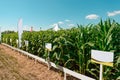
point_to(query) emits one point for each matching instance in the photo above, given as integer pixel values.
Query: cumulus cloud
(67, 20)
(92, 16)
(114, 13)
(60, 22)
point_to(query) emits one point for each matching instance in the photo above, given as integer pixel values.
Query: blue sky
(46, 13)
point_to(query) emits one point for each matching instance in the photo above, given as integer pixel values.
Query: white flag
(20, 31)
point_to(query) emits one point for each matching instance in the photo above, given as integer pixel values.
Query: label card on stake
(102, 57)
(26, 42)
(48, 46)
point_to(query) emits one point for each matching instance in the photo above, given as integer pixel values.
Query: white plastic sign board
(26, 42)
(102, 57)
(48, 46)
(17, 41)
(10, 40)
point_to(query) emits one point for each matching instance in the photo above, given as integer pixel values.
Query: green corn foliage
(71, 48)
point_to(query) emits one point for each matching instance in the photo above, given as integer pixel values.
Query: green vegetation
(72, 47)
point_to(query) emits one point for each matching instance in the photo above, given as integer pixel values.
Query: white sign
(102, 57)
(17, 41)
(48, 46)
(20, 31)
(10, 40)
(26, 43)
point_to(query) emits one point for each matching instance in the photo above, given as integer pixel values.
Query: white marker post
(10, 41)
(20, 31)
(102, 58)
(26, 44)
(48, 46)
(17, 43)
(101, 71)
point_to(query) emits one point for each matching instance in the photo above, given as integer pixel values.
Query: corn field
(71, 48)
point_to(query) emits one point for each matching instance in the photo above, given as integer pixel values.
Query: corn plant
(72, 47)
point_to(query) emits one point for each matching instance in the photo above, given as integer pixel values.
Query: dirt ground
(14, 66)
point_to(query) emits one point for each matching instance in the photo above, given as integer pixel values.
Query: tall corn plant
(104, 41)
(104, 35)
(61, 48)
(35, 42)
(114, 73)
(72, 47)
(83, 46)
(8, 36)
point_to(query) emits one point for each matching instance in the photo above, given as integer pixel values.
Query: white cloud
(60, 22)
(92, 16)
(113, 13)
(71, 25)
(67, 20)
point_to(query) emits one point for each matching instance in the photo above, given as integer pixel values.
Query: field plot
(14, 66)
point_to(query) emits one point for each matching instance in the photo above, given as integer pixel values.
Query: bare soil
(14, 66)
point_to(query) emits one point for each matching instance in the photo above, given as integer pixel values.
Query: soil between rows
(14, 66)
